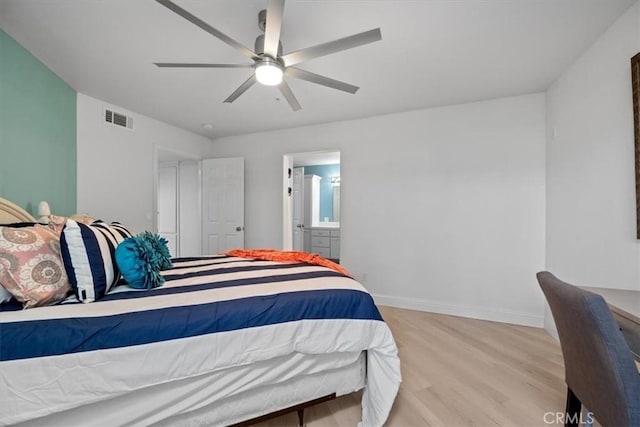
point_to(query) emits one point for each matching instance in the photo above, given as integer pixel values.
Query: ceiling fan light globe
(269, 74)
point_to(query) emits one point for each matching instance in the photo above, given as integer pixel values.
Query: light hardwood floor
(460, 372)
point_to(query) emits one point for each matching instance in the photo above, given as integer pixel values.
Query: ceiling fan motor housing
(259, 46)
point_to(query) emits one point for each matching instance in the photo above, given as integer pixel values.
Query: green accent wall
(37, 132)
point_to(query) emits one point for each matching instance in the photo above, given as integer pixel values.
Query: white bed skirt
(224, 397)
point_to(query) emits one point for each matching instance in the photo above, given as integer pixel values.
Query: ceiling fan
(269, 64)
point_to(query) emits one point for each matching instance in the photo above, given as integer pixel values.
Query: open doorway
(311, 207)
(178, 201)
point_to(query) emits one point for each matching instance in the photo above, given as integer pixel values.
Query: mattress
(224, 397)
(212, 314)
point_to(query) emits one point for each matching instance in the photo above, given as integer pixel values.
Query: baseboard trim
(473, 312)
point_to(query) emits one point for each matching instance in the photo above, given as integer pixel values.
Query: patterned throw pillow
(88, 252)
(30, 265)
(56, 222)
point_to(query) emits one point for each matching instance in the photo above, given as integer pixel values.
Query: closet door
(168, 205)
(189, 211)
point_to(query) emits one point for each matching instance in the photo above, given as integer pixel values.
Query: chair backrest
(599, 367)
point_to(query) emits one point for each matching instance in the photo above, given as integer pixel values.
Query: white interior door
(222, 205)
(189, 209)
(168, 205)
(297, 214)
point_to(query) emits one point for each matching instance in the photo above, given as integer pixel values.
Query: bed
(224, 340)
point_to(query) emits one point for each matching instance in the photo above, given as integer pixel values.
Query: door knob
(239, 228)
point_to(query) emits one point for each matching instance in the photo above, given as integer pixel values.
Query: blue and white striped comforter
(212, 313)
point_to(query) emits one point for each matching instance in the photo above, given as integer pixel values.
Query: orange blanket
(284, 256)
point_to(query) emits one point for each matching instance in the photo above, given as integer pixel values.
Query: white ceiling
(433, 53)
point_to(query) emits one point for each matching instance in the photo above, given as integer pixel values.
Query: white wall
(116, 166)
(591, 213)
(591, 219)
(442, 209)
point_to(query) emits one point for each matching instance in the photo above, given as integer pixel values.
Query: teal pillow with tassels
(141, 258)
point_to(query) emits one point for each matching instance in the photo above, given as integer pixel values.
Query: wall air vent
(118, 119)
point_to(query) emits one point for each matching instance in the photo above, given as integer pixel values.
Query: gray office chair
(599, 368)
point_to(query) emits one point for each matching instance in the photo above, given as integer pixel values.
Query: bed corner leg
(301, 417)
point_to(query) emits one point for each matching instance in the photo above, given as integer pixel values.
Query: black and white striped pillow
(88, 253)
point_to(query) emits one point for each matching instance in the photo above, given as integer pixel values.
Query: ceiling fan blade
(208, 28)
(321, 80)
(331, 47)
(242, 89)
(288, 94)
(191, 65)
(275, 10)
